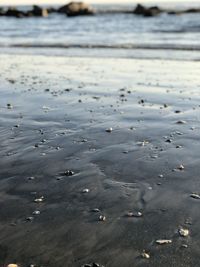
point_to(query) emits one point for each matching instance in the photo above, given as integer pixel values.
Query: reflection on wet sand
(96, 167)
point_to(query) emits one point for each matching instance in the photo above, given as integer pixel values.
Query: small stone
(181, 167)
(168, 141)
(181, 122)
(31, 178)
(36, 212)
(163, 241)
(39, 200)
(145, 255)
(9, 106)
(86, 190)
(184, 246)
(134, 214)
(68, 173)
(195, 196)
(183, 232)
(12, 265)
(109, 130)
(102, 218)
(95, 210)
(30, 219)
(143, 143)
(94, 264)
(160, 175)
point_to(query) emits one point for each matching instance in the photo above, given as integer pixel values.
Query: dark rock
(76, 9)
(38, 12)
(13, 12)
(180, 12)
(1, 11)
(193, 10)
(51, 10)
(147, 12)
(139, 10)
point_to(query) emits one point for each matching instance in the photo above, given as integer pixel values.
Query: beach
(99, 161)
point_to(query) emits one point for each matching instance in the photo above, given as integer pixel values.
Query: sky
(16, 2)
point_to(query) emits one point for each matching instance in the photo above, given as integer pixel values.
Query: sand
(54, 113)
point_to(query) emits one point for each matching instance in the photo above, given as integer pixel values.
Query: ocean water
(110, 35)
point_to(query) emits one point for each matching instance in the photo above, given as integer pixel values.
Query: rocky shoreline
(82, 9)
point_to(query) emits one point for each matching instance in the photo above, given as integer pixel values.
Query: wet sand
(54, 113)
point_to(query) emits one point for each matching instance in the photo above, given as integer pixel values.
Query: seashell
(183, 232)
(163, 241)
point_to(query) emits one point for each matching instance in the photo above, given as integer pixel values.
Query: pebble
(102, 218)
(181, 167)
(145, 255)
(86, 190)
(143, 143)
(94, 264)
(195, 196)
(30, 219)
(163, 241)
(181, 122)
(168, 141)
(39, 200)
(183, 232)
(95, 210)
(9, 106)
(12, 265)
(68, 173)
(109, 130)
(134, 214)
(31, 178)
(36, 212)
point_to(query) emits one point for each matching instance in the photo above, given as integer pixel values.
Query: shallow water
(128, 35)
